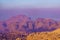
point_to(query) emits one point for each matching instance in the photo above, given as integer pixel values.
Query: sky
(13, 8)
(30, 3)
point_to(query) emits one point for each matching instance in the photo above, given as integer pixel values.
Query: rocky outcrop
(53, 35)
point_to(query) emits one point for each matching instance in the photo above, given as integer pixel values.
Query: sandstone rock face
(53, 35)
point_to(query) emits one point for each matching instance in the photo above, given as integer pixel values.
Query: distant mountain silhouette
(25, 24)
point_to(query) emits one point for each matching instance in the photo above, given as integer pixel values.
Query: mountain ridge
(25, 24)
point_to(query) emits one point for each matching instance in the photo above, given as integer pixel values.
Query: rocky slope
(22, 27)
(22, 23)
(53, 35)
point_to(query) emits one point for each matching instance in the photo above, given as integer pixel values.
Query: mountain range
(22, 23)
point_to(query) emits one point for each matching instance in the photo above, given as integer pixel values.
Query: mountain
(22, 23)
(46, 24)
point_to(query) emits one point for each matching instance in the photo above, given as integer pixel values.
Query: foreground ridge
(53, 35)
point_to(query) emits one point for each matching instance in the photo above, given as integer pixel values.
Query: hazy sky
(49, 13)
(30, 3)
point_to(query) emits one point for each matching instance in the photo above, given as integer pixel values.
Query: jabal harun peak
(22, 23)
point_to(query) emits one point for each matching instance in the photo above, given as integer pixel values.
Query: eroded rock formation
(15, 27)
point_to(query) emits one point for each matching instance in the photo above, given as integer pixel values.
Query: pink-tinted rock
(22, 23)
